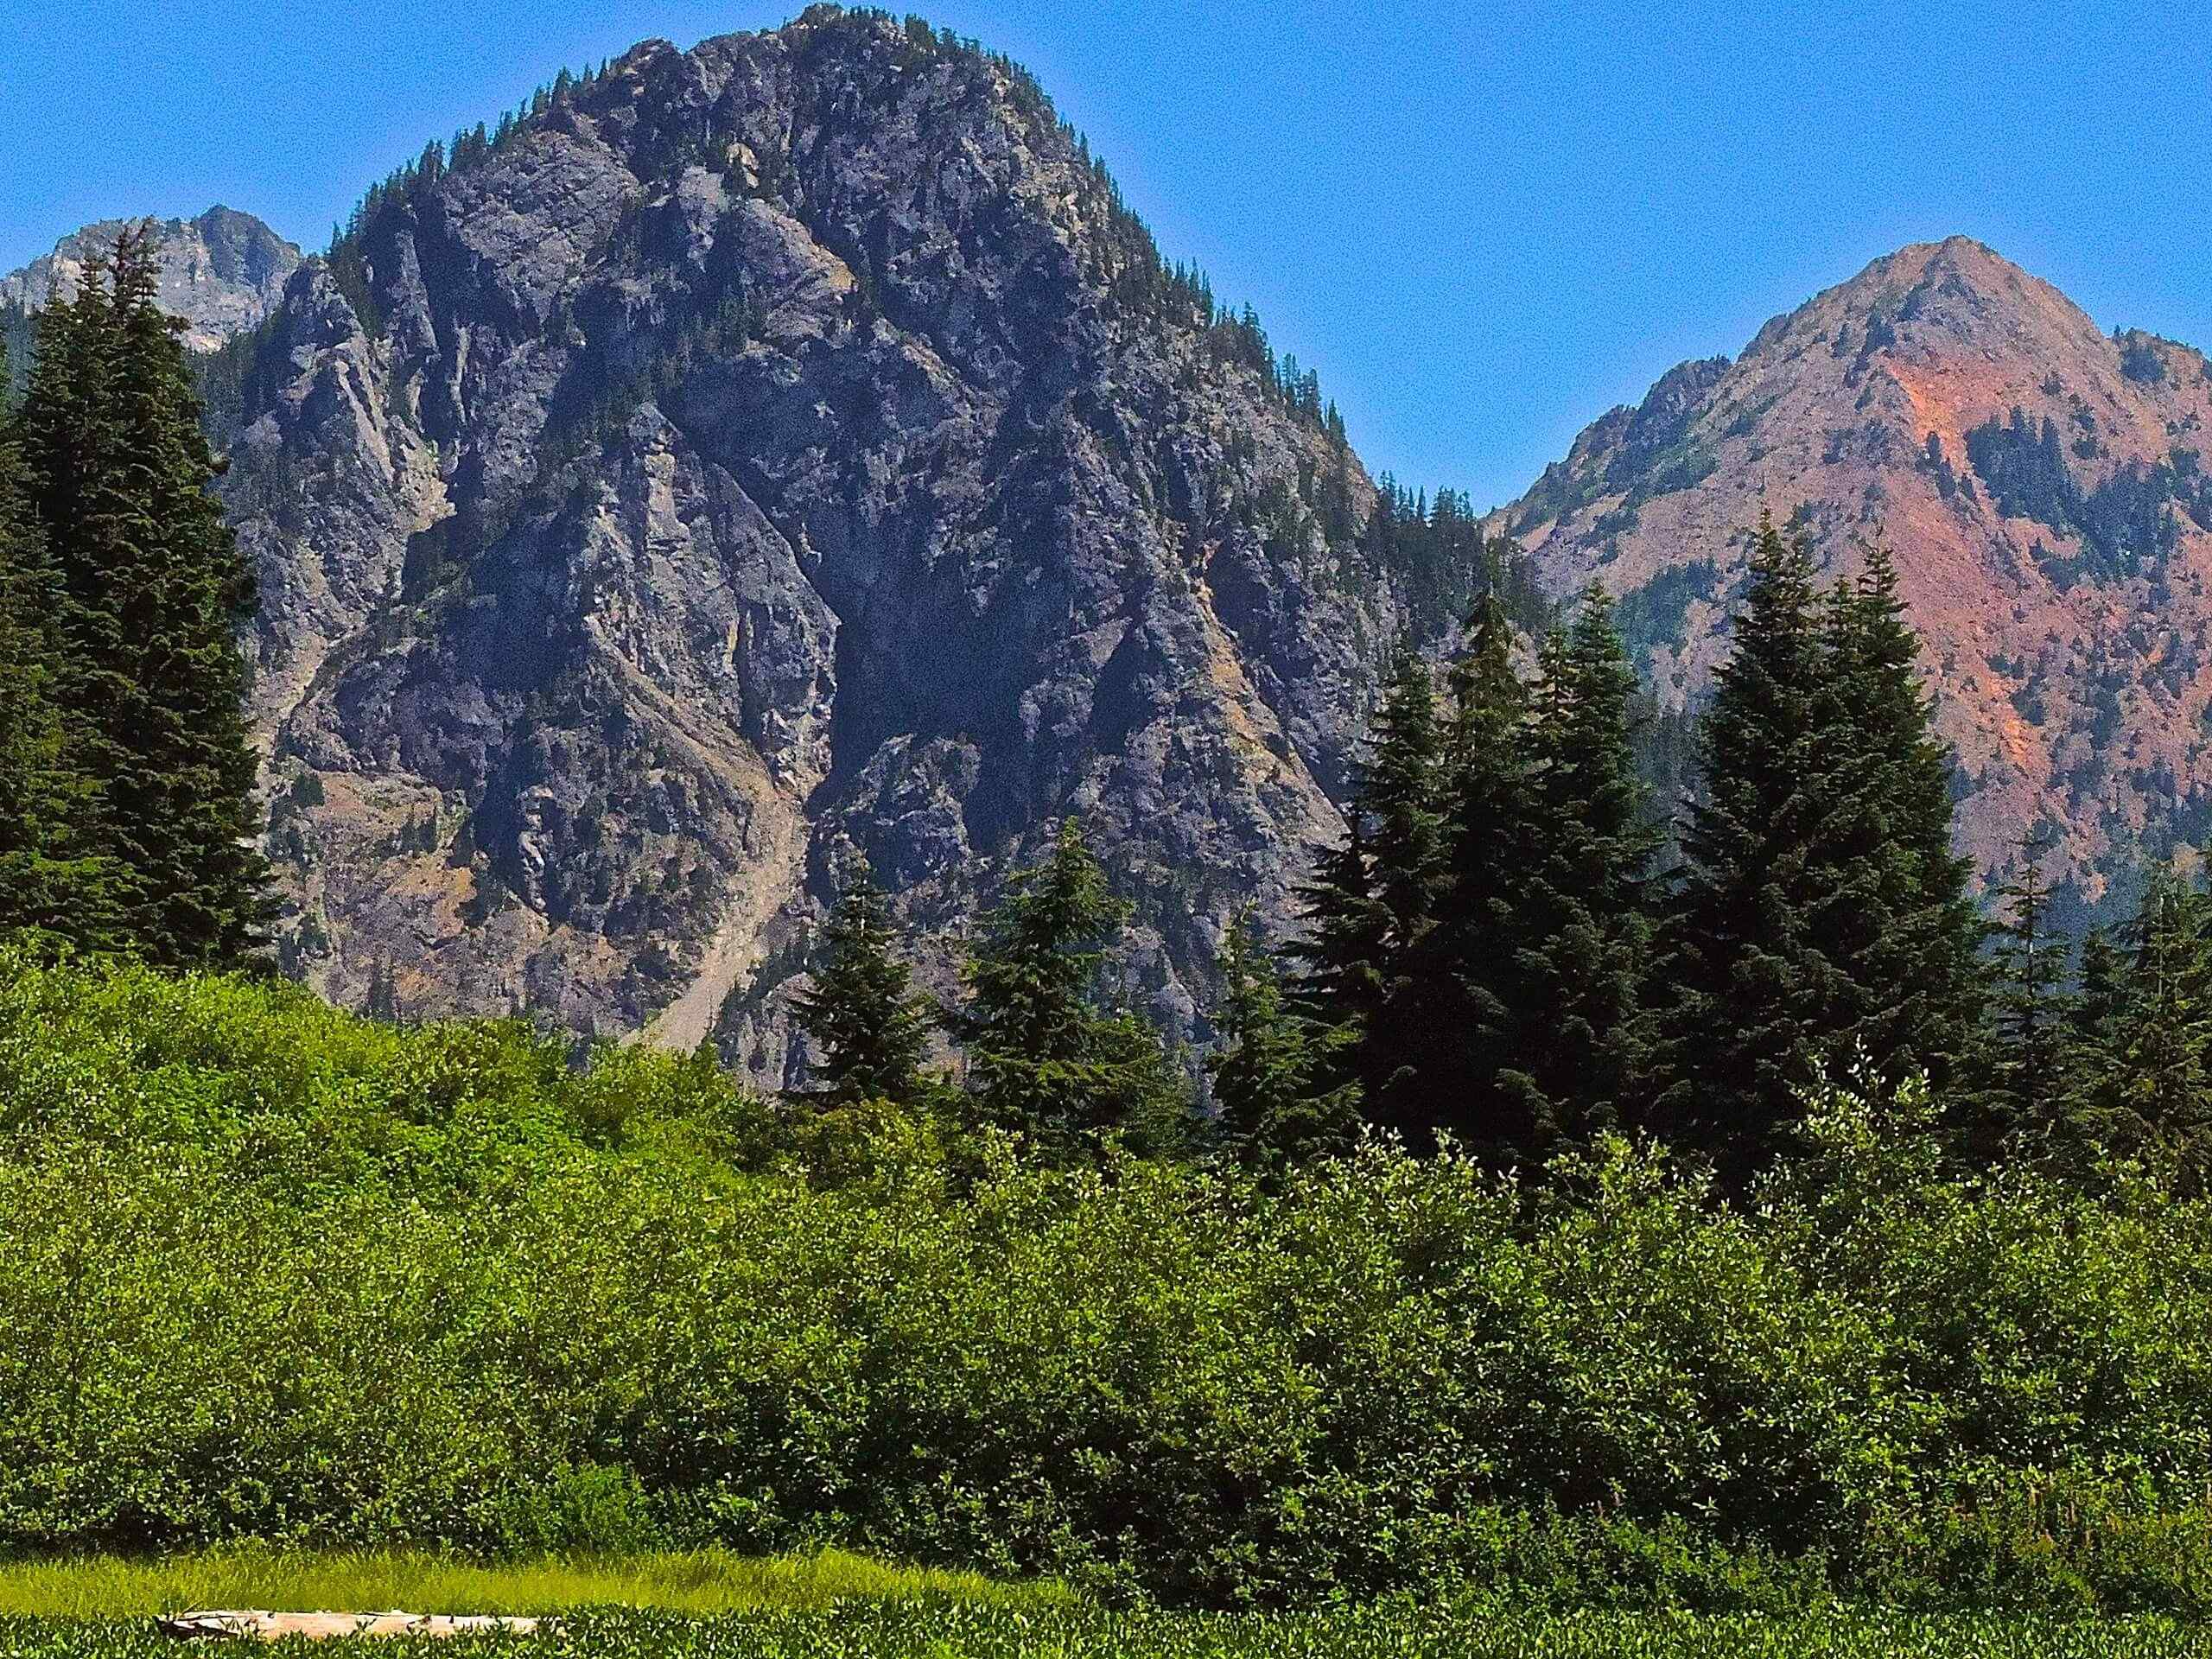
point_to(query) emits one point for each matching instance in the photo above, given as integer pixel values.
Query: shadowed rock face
(2046, 488)
(777, 445)
(220, 272)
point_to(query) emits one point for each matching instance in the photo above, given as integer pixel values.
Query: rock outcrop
(783, 446)
(2046, 489)
(221, 272)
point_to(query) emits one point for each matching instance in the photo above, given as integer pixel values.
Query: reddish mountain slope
(2047, 489)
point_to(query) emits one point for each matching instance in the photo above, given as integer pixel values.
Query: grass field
(709, 1604)
(951, 1630)
(694, 1583)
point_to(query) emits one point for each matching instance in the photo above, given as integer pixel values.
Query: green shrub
(270, 1271)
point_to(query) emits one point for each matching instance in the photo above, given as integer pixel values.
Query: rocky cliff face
(779, 446)
(2044, 487)
(221, 272)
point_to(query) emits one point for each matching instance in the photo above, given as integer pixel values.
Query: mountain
(220, 272)
(2043, 485)
(755, 452)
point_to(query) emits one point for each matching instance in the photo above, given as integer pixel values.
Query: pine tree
(1822, 917)
(1275, 1103)
(1400, 799)
(870, 1029)
(54, 892)
(2153, 1097)
(1371, 901)
(1477, 987)
(2028, 1078)
(1583, 904)
(151, 590)
(1750, 1005)
(1043, 1056)
(1911, 933)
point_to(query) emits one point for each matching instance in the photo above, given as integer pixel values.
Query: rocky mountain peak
(2042, 484)
(220, 272)
(783, 445)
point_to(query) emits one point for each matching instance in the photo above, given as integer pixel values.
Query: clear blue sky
(1484, 223)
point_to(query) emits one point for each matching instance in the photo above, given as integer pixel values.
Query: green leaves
(268, 1270)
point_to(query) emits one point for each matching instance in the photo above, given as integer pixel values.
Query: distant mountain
(220, 272)
(787, 445)
(2047, 493)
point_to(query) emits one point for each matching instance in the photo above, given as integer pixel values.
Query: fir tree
(1749, 1013)
(1043, 1056)
(1583, 908)
(870, 1029)
(1372, 900)
(1823, 917)
(54, 891)
(2029, 1077)
(151, 589)
(1401, 800)
(1902, 925)
(1474, 971)
(2152, 1098)
(1275, 1102)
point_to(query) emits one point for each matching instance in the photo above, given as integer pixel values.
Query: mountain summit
(756, 453)
(2043, 485)
(220, 272)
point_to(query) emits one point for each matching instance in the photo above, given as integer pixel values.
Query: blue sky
(1483, 222)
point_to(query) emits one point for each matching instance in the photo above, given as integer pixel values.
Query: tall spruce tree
(2151, 1095)
(870, 1028)
(1903, 923)
(1401, 800)
(54, 891)
(151, 589)
(1373, 900)
(2026, 1078)
(1822, 917)
(1277, 1098)
(1046, 1056)
(1582, 904)
(1751, 1006)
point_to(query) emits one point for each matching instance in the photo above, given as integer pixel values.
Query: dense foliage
(267, 1268)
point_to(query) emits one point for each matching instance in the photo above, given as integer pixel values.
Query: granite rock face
(221, 272)
(2045, 490)
(781, 447)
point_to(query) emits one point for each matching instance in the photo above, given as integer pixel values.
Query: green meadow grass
(698, 1583)
(885, 1629)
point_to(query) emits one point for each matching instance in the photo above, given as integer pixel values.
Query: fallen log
(268, 1626)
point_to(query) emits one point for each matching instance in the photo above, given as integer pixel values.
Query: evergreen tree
(1402, 801)
(1752, 1001)
(2152, 1098)
(1373, 899)
(1901, 921)
(54, 891)
(1276, 1102)
(2090, 1023)
(2028, 1076)
(1582, 906)
(1479, 987)
(870, 1029)
(1043, 1056)
(1823, 917)
(151, 590)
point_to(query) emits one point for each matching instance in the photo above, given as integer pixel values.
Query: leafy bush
(268, 1271)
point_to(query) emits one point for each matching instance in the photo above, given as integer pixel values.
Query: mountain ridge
(221, 271)
(783, 446)
(2041, 483)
